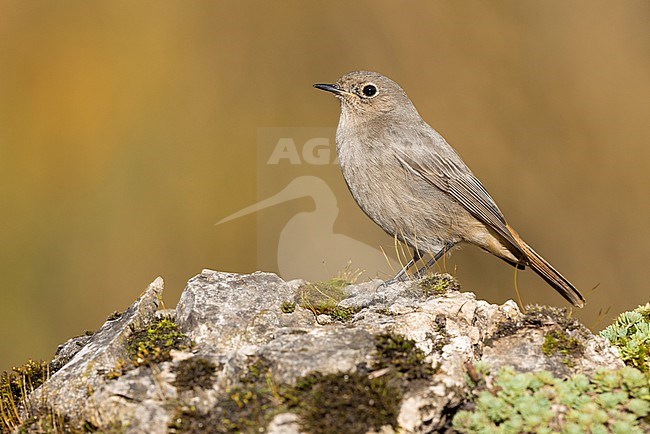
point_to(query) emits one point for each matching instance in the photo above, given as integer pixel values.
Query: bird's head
(365, 95)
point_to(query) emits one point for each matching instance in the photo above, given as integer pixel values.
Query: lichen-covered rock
(546, 338)
(70, 391)
(252, 352)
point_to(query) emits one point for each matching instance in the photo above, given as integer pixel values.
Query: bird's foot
(395, 279)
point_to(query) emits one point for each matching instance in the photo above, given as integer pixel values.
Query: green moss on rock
(153, 344)
(437, 284)
(537, 316)
(401, 354)
(19, 416)
(559, 342)
(323, 298)
(288, 306)
(343, 314)
(344, 403)
(247, 407)
(14, 386)
(350, 402)
(195, 372)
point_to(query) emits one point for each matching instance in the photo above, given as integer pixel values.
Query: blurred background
(127, 130)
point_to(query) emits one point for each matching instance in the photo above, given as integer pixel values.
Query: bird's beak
(335, 89)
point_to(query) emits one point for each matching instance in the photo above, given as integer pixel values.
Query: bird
(415, 186)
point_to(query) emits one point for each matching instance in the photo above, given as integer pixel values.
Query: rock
(546, 339)
(386, 359)
(284, 423)
(68, 390)
(67, 350)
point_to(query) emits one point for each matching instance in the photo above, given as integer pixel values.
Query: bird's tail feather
(548, 273)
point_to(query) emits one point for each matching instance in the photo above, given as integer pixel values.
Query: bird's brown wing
(449, 174)
(459, 182)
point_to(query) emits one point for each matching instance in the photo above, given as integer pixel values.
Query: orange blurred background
(128, 129)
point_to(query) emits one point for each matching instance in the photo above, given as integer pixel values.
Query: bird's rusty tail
(548, 273)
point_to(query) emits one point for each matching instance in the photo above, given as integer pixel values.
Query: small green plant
(401, 354)
(536, 317)
(20, 415)
(14, 387)
(288, 306)
(350, 403)
(195, 372)
(608, 402)
(436, 284)
(559, 342)
(323, 297)
(343, 314)
(630, 333)
(246, 407)
(153, 344)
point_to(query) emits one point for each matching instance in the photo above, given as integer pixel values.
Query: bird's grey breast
(392, 196)
(369, 170)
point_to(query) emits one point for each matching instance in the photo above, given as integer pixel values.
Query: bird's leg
(422, 271)
(417, 255)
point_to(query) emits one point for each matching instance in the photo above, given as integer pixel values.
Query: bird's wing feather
(454, 178)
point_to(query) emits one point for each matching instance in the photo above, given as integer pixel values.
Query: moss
(399, 353)
(194, 372)
(437, 284)
(440, 328)
(19, 416)
(121, 366)
(351, 403)
(52, 423)
(15, 386)
(191, 421)
(247, 407)
(558, 342)
(257, 371)
(630, 333)
(504, 329)
(359, 401)
(153, 344)
(323, 297)
(610, 401)
(149, 346)
(114, 316)
(342, 402)
(343, 314)
(537, 316)
(288, 306)
(386, 312)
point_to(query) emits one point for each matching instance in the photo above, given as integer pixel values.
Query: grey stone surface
(72, 388)
(234, 320)
(67, 350)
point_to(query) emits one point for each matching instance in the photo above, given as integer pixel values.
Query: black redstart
(409, 181)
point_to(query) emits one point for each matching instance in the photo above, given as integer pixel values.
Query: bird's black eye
(369, 90)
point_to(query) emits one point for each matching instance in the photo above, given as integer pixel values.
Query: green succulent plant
(608, 402)
(630, 333)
